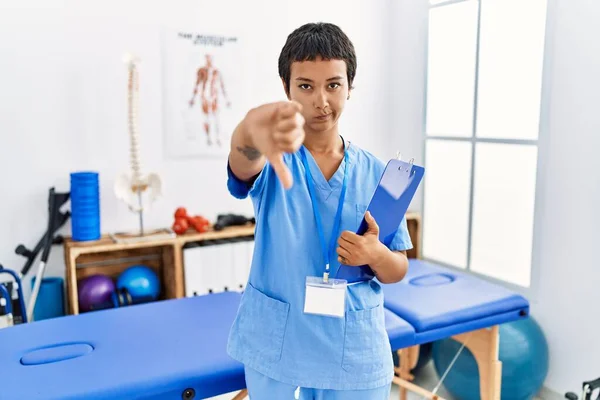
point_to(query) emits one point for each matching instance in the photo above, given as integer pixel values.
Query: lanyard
(338, 215)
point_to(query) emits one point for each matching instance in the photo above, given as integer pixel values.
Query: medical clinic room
(299, 200)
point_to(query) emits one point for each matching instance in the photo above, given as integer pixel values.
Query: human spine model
(130, 187)
(132, 102)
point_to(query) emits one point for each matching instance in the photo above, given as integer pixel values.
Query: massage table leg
(409, 357)
(482, 343)
(408, 360)
(241, 395)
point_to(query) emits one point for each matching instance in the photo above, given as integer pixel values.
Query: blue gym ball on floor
(523, 351)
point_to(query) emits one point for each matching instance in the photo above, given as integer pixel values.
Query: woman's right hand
(274, 129)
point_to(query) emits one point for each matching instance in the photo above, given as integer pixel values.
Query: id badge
(325, 298)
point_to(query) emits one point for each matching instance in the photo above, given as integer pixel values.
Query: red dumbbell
(180, 226)
(183, 222)
(199, 223)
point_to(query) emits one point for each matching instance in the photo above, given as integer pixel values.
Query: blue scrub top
(271, 333)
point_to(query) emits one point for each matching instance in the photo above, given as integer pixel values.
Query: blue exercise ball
(523, 351)
(141, 282)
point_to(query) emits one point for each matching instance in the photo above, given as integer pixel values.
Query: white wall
(407, 52)
(568, 295)
(63, 102)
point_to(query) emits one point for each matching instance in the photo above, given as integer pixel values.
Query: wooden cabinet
(165, 256)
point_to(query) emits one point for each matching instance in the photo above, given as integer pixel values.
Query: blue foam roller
(84, 176)
(85, 206)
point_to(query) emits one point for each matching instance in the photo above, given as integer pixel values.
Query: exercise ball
(523, 351)
(424, 357)
(141, 282)
(94, 290)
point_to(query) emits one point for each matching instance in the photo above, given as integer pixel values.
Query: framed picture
(202, 89)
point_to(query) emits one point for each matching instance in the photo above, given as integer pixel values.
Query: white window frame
(541, 143)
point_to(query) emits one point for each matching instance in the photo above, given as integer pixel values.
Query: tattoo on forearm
(250, 152)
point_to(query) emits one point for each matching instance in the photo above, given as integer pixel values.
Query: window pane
(451, 69)
(511, 52)
(503, 207)
(446, 201)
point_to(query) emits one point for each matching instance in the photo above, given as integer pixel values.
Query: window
(482, 113)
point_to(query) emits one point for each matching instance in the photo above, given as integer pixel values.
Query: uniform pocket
(366, 344)
(261, 325)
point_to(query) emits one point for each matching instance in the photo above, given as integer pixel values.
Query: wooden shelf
(165, 256)
(413, 223)
(106, 243)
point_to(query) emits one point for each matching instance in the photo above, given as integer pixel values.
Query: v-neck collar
(336, 180)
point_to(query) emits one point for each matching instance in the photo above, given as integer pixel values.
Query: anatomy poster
(202, 92)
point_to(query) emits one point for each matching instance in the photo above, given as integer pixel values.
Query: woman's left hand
(355, 250)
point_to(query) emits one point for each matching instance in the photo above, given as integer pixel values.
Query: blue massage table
(172, 349)
(438, 303)
(175, 349)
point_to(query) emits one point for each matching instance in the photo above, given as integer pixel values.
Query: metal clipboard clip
(410, 163)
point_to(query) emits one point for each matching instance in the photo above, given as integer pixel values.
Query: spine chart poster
(202, 99)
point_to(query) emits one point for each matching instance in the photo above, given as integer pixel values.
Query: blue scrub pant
(261, 387)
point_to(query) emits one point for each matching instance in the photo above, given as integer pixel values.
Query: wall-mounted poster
(202, 98)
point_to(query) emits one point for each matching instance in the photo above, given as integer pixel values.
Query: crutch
(55, 201)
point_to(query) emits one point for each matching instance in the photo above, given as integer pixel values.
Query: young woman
(298, 332)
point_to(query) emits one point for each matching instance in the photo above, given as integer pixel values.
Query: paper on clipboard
(393, 195)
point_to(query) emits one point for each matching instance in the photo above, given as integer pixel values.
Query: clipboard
(394, 193)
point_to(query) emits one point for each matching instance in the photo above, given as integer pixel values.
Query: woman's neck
(322, 143)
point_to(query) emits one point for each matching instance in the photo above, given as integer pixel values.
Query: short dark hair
(311, 40)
